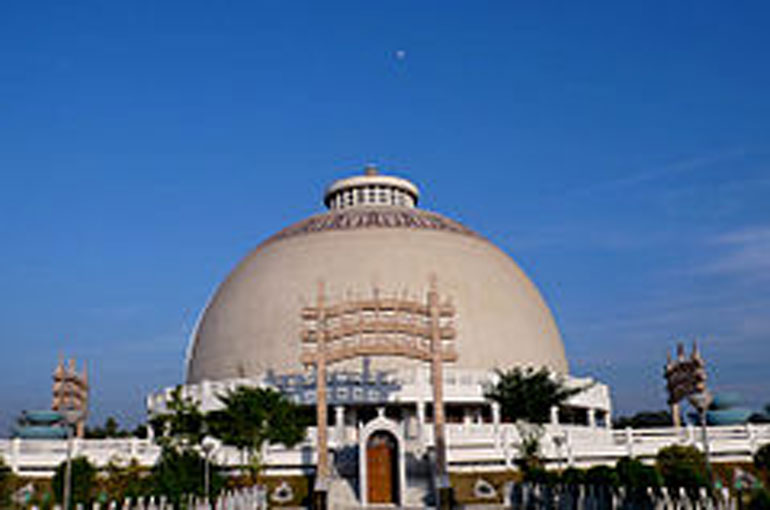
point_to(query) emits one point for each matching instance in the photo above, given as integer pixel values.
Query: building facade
(377, 255)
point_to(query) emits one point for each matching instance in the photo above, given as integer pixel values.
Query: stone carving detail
(482, 489)
(385, 217)
(283, 493)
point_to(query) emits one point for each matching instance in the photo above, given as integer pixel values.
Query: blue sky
(619, 151)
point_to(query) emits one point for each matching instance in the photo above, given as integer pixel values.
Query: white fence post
(630, 441)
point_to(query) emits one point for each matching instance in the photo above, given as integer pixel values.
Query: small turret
(371, 189)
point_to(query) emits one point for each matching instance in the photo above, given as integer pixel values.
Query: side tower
(70, 392)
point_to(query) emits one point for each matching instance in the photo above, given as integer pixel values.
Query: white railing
(470, 447)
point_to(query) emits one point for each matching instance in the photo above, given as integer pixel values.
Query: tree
(180, 467)
(682, 466)
(140, 431)
(179, 473)
(6, 484)
(529, 450)
(635, 475)
(760, 500)
(528, 394)
(645, 419)
(573, 476)
(110, 429)
(182, 427)
(82, 481)
(602, 475)
(125, 481)
(252, 417)
(762, 459)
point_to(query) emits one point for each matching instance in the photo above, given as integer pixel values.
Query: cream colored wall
(252, 323)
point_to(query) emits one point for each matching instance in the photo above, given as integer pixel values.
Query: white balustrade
(469, 445)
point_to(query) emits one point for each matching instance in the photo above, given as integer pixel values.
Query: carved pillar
(321, 418)
(437, 379)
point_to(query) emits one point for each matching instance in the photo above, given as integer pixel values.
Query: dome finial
(371, 189)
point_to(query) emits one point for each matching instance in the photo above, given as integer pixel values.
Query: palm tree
(529, 394)
(526, 397)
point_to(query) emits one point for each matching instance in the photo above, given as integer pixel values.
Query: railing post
(690, 434)
(630, 441)
(496, 423)
(15, 453)
(752, 437)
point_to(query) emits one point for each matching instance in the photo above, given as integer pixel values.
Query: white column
(630, 441)
(496, 423)
(568, 444)
(690, 434)
(555, 415)
(752, 437)
(339, 424)
(591, 417)
(362, 474)
(15, 451)
(77, 446)
(421, 422)
(467, 416)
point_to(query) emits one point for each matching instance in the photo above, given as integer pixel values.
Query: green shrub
(181, 473)
(602, 475)
(6, 484)
(633, 474)
(541, 476)
(760, 500)
(573, 476)
(762, 458)
(682, 466)
(82, 481)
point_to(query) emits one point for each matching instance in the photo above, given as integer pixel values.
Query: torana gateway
(396, 308)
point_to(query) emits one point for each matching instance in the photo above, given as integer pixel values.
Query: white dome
(372, 239)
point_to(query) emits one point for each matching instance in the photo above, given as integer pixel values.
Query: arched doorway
(382, 468)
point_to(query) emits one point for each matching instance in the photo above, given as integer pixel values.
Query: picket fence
(516, 497)
(597, 497)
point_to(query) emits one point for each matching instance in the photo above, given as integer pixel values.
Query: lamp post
(701, 401)
(208, 444)
(71, 417)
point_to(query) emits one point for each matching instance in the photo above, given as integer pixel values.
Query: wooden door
(380, 459)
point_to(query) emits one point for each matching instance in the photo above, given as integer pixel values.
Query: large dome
(373, 237)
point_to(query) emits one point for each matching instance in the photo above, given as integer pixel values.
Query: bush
(762, 458)
(633, 474)
(83, 478)
(181, 473)
(573, 476)
(602, 475)
(120, 482)
(682, 466)
(6, 484)
(760, 500)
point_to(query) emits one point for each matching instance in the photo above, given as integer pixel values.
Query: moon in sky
(400, 54)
